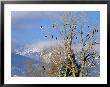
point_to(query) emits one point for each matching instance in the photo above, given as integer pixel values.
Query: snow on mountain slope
(18, 64)
(34, 51)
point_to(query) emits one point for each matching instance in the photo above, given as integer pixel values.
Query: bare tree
(73, 26)
(64, 60)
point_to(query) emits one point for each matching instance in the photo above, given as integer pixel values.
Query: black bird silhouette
(88, 26)
(52, 36)
(70, 26)
(76, 37)
(45, 36)
(97, 30)
(81, 32)
(87, 35)
(84, 44)
(66, 37)
(41, 26)
(53, 25)
(56, 38)
(43, 67)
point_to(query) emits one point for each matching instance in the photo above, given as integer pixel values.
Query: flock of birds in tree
(88, 35)
(75, 37)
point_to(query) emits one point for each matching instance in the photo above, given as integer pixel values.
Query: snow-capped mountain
(20, 57)
(34, 51)
(28, 52)
(38, 53)
(19, 64)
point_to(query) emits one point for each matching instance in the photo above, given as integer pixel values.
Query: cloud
(30, 19)
(33, 19)
(78, 47)
(15, 44)
(38, 46)
(15, 41)
(45, 45)
(18, 15)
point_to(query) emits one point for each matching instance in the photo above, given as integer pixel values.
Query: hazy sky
(26, 25)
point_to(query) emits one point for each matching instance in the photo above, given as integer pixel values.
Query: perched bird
(88, 26)
(73, 55)
(74, 27)
(97, 30)
(43, 67)
(76, 37)
(93, 32)
(52, 36)
(45, 36)
(66, 37)
(81, 32)
(95, 42)
(53, 25)
(40, 26)
(56, 38)
(87, 35)
(84, 44)
(85, 59)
